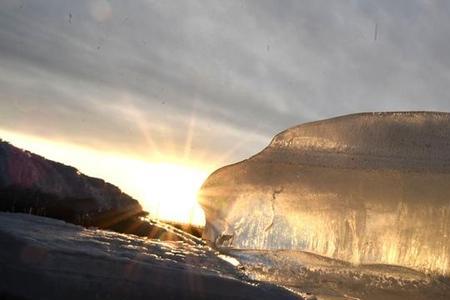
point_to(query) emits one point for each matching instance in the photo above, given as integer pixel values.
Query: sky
(209, 83)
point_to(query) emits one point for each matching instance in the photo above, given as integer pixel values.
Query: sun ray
(189, 136)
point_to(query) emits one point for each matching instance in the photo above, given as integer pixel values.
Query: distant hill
(32, 184)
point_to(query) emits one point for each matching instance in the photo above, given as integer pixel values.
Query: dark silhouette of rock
(364, 188)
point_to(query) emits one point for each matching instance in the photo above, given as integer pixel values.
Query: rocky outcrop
(364, 188)
(42, 258)
(32, 184)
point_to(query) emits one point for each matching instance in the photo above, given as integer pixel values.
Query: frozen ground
(42, 258)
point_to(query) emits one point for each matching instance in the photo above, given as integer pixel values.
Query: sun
(170, 191)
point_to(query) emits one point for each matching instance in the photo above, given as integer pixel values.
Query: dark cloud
(133, 75)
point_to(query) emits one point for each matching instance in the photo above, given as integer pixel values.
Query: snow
(42, 258)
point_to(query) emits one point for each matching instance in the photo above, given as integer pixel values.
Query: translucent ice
(368, 188)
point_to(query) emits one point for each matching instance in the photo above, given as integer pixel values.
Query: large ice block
(364, 188)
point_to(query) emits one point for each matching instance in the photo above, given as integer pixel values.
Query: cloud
(132, 75)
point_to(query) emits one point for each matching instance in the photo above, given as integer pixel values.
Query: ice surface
(326, 278)
(43, 258)
(366, 189)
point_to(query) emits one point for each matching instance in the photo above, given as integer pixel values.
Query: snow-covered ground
(42, 258)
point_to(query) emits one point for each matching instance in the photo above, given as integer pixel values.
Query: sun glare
(174, 190)
(166, 189)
